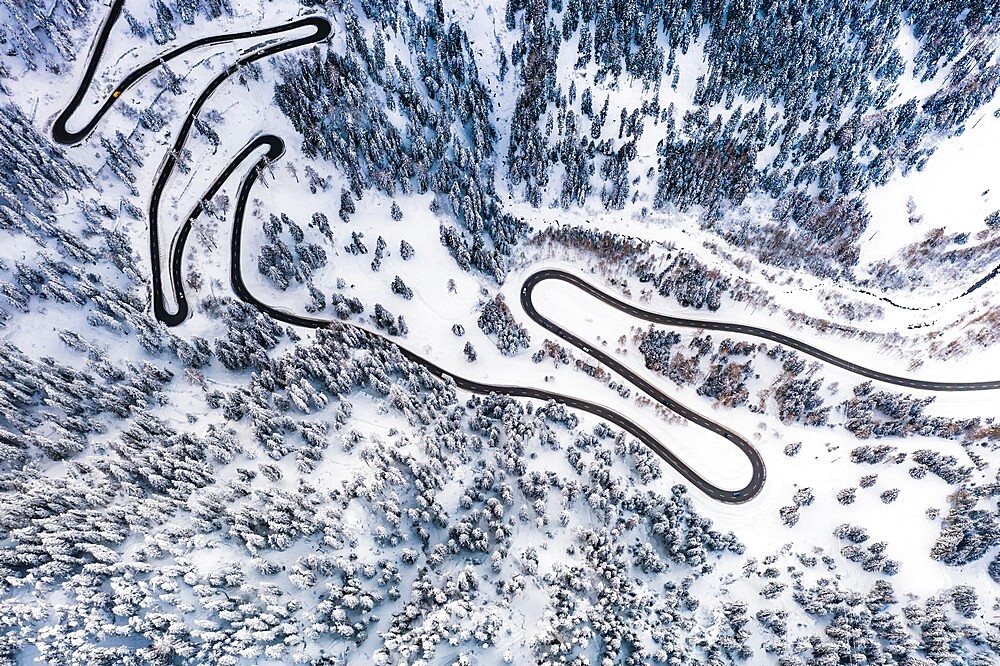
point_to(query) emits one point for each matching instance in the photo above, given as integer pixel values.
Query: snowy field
(237, 491)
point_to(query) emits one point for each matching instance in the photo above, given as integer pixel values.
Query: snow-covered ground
(361, 483)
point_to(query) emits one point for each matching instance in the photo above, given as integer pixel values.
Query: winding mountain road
(536, 278)
(65, 136)
(274, 148)
(321, 30)
(751, 489)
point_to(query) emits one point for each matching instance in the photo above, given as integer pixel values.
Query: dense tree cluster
(41, 34)
(860, 626)
(399, 287)
(388, 322)
(677, 523)
(655, 348)
(718, 376)
(725, 382)
(277, 260)
(797, 102)
(345, 306)
(863, 626)
(339, 102)
(944, 466)
(249, 334)
(692, 284)
(614, 248)
(872, 413)
(496, 320)
(968, 531)
(797, 390)
(871, 556)
(33, 175)
(49, 407)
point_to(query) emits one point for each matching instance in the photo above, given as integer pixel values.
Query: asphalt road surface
(713, 325)
(274, 149)
(62, 135)
(321, 30)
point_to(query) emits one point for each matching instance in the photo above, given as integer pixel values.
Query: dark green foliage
(329, 99)
(497, 320)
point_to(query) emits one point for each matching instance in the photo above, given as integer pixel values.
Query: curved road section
(534, 279)
(275, 147)
(65, 136)
(321, 30)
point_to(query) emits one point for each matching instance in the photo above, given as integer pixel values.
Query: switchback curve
(274, 149)
(749, 491)
(538, 277)
(322, 29)
(62, 135)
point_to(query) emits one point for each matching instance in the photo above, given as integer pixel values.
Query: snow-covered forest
(293, 473)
